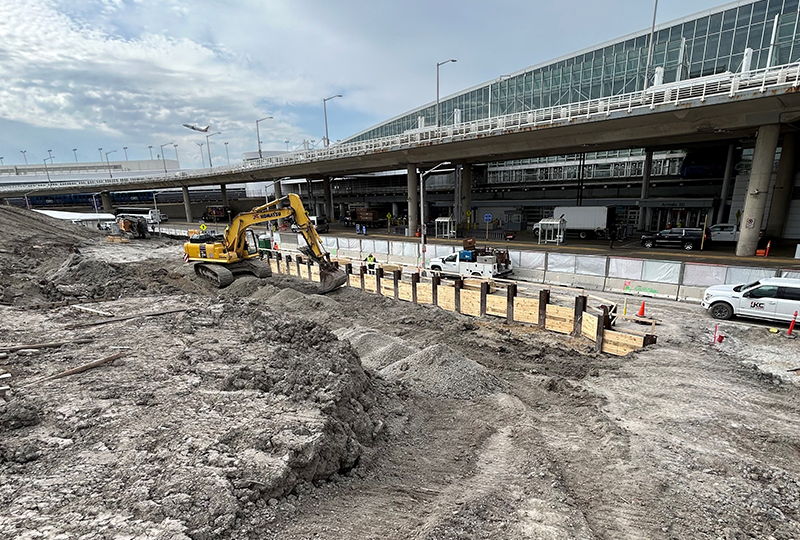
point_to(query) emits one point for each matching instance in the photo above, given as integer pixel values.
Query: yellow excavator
(220, 258)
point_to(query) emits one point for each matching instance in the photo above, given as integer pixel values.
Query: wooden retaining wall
(475, 299)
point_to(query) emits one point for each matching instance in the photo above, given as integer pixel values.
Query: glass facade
(693, 47)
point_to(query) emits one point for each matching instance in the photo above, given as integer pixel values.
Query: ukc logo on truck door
(757, 305)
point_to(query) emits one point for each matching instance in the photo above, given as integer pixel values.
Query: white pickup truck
(482, 265)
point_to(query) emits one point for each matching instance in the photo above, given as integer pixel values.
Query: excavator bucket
(330, 279)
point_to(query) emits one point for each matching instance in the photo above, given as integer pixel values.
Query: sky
(90, 74)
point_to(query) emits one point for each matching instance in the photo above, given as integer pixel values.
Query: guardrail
(673, 94)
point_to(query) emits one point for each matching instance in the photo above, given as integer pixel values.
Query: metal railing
(696, 90)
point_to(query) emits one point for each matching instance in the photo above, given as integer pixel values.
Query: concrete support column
(105, 197)
(187, 204)
(645, 212)
(342, 209)
(395, 210)
(782, 193)
(757, 188)
(278, 194)
(223, 191)
(326, 187)
(318, 209)
(413, 200)
(466, 193)
(726, 182)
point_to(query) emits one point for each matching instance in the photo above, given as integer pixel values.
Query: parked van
(775, 299)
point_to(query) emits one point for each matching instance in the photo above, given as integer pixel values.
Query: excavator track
(216, 273)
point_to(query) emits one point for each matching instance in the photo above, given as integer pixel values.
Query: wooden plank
(558, 326)
(387, 287)
(470, 303)
(404, 292)
(127, 317)
(273, 264)
(447, 298)
(560, 313)
(49, 345)
(620, 338)
(615, 349)
(424, 293)
(369, 284)
(589, 326)
(95, 311)
(496, 305)
(526, 310)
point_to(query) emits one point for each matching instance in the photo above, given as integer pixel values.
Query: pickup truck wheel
(476, 274)
(688, 246)
(721, 310)
(436, 268)
(583, 235)
(648, 244)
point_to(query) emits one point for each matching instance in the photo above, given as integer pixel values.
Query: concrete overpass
(720, 107)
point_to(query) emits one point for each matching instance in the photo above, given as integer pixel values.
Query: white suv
(773, 298)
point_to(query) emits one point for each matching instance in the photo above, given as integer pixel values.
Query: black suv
(680, 237)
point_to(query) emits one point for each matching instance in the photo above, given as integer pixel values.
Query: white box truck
(585, 221)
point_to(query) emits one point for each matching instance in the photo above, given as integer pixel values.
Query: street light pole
(202, 157)
(50, 153)
(151, 151)
(325, 111)
(75, 151)
(163, 160)
(1, 160)
(45, 168)
(650, 50)
(125, 149)
(208, 148)
(108, 163)
(422, 228)
(24, 156)
(258, 134)
(227, 155)
(175, 146)
(437, 86)
(100, 151)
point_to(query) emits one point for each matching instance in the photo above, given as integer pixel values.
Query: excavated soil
(265, 411)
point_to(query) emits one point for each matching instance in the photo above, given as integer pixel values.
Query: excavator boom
(221, 259)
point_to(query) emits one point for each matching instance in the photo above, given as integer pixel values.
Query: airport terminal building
(686, 183)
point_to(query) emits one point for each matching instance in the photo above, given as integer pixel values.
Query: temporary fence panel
(623, 268)
(790, 274)
(382, 247)
(703, 275)
(619, 343)
(300, 240)
(561, 262)
(276, 237)
(440, 250)
(526, 310)
(497, 305)
(410, 249)
(515, 258)
(330, 243)
(534, 260)
(661, 271)
(470, 302)
(350, 244)
(559, 319)
(447, 298)
(590, 266)
(396, 249)
(367, 246)
(741, 274)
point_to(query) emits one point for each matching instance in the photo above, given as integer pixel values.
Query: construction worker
(370, 260)
(612, 235)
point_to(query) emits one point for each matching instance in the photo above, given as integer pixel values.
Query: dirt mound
(24, 226)
(376, 349)
(442, 372)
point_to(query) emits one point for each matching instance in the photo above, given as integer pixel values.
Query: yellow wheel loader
(220, 258)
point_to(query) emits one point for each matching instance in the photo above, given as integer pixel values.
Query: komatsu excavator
(219, 258)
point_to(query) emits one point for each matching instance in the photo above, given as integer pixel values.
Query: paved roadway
(781, 255)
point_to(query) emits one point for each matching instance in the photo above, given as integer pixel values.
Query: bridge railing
(672, 94)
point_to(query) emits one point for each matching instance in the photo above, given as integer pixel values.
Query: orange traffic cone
(641, 311)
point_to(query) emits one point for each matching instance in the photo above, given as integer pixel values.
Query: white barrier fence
(641, 277)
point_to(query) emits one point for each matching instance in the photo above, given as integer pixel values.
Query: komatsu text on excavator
(219, 258)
